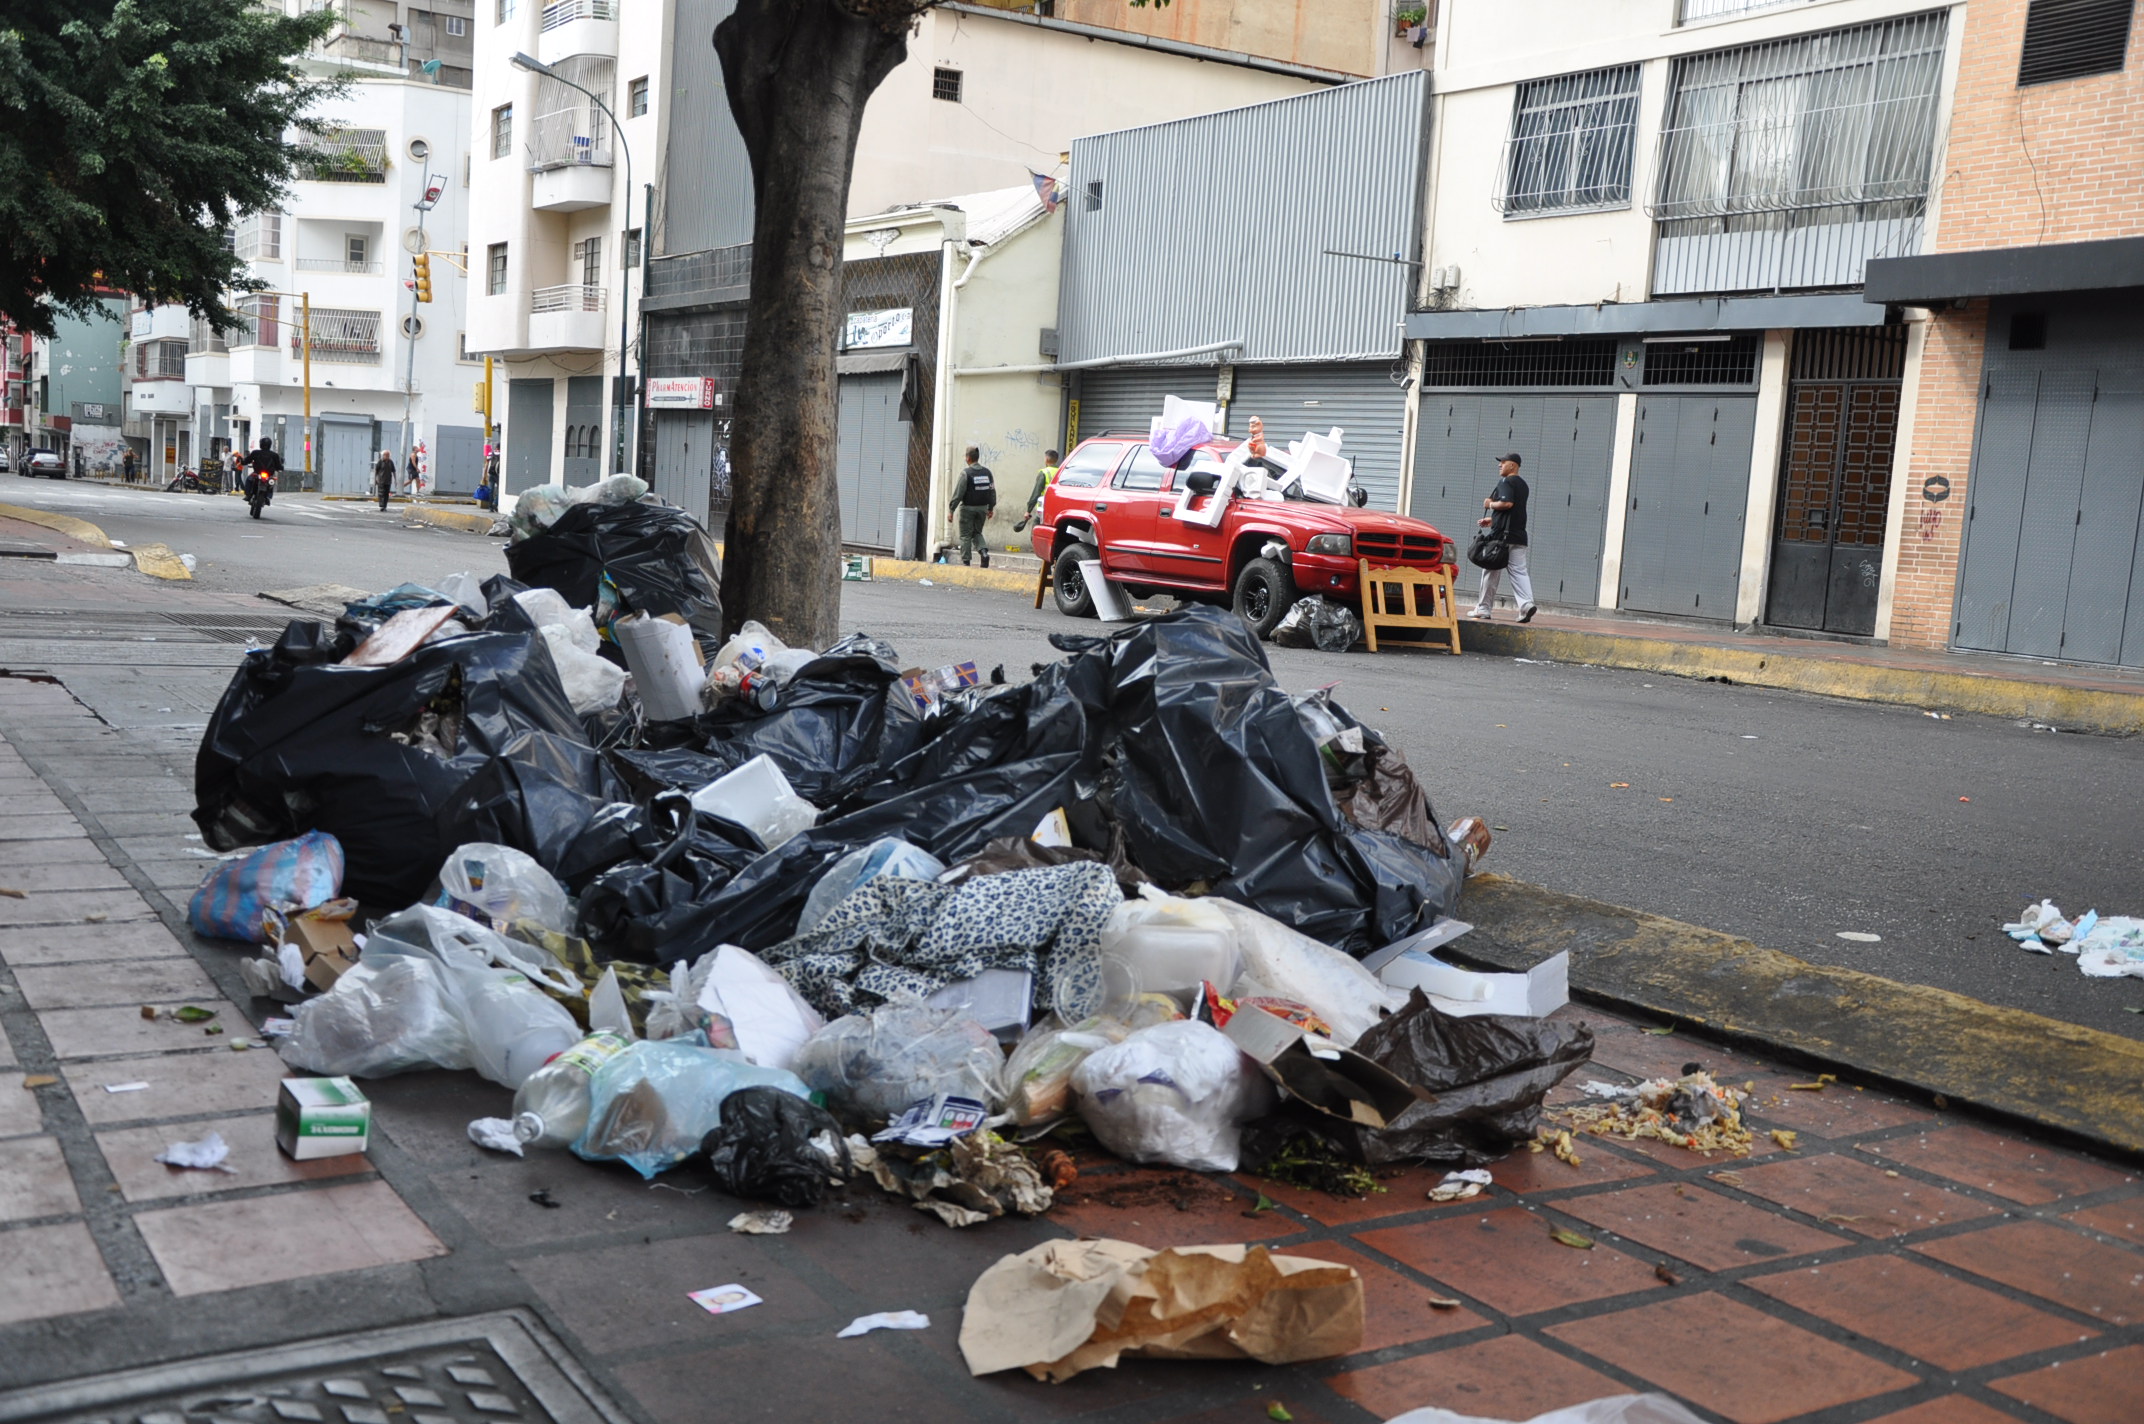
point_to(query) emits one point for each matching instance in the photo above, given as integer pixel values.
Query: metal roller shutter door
(872, 457)
(1363, 401)
(1128, 399)
(1566, 444)
(1689, 492)
(684, 458)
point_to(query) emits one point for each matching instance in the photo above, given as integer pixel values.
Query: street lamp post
(619, 405)
(433, 187)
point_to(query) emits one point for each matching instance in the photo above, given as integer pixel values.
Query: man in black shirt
(1506, 520)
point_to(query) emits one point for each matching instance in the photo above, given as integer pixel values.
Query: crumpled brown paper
(1068, 1306)
(971, 1179)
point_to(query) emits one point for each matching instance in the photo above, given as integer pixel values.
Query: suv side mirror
(1202, 481)
(1357, 496)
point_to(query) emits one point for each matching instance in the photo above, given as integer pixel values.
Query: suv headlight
(1331, 544)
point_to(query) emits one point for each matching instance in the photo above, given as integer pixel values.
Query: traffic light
(424, 276)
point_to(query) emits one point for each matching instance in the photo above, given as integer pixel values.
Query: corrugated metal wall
(1361, 400)
(706, 189)
(1215, 228)
(1128, 398)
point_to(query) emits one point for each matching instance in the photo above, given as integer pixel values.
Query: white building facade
(1643, 256)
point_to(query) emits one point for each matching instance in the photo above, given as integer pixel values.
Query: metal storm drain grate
(492, 1369)
(232, 627)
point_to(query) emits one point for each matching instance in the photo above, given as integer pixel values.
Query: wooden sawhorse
(1409, 598)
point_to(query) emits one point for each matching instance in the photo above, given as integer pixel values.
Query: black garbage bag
(371, 755)
(540, 795)
(774, 1146)
(1318, 622)
(1485, 1076)
(1217, 781)
(655, 558)
(646, 910)
(841, 722)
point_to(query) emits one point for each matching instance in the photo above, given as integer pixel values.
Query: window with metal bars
(1854, 353)
(1691, 11)
(1825, 128)
(1571, 143)
(1732, 362)
(1586, 362)
(945, 84)
(2069, 39)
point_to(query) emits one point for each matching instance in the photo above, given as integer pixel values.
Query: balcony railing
(339, 335)
(568, 138)
(345, 156)
(338, 264)
(565, 12)
(571, 297)
(363, 49)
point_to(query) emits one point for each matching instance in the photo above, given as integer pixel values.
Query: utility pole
(305, 307)
(419, 291)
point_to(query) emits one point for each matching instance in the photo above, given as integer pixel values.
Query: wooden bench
(1409, 598)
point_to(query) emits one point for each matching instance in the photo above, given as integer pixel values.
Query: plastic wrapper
(643, 557)
(876, 1064)
(773, 1146)
(1485, 1076)
(652, 1106)
(1182, 427)
(369, 755)
(1294, 966)
(1176, 1094)
(499, 885)
(1038, 1075)
(1613, 1409)
(236, 898)
(889, 855)
(1318, 622)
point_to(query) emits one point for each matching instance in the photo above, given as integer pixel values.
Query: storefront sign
(681, 392)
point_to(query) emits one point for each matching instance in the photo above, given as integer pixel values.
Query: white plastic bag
(612, 489)
(758, 797)
(888, 856)
(1615, 1409)
(1038, 1075)
(752, 644)
(1289, 965)
(1160, 942)
(878, 1063)
(592, 683)
(768, 1020)
(534, 509)
(1177, 1093)
(665, 663)
(464, 589)
(505, 885)
(390, 1016)
(650, 1106)
(513, 1028)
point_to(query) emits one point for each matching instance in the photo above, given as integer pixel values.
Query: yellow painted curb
(66, 524)
(959, 575)
(158, 561)
(451, 519)
(2079, 708)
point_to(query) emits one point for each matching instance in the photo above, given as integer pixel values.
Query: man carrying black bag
(1506, 523)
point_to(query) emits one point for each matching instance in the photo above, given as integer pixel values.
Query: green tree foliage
(132, 135)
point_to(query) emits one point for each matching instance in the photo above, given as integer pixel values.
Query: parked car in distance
(1115, 502)
(4, 465)
(45, 462)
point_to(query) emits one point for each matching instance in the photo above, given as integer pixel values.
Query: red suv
(1114, 501)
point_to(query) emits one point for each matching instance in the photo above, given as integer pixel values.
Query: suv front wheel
(1264, 593)
(1069, 582)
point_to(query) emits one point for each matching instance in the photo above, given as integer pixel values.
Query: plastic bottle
(551, 1108)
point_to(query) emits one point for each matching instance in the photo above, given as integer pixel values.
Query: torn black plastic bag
(656, 557)
(370, 755)
(774, 1146)
(644, 910)
(1217, 781)
(1485, 1075)
(541, 794)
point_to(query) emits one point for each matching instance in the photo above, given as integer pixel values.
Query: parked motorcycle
(260, 491)
(187, 482)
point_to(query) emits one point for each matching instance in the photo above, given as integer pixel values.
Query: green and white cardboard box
(321, 1117)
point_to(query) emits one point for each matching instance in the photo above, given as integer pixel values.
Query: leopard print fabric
(894, 935)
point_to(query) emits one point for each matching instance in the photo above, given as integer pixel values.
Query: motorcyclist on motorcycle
(262, 466)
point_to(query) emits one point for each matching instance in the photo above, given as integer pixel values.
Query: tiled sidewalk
(1896, 1264)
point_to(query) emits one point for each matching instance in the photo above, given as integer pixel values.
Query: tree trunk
(799, 73)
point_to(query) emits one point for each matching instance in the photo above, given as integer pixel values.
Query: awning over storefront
(2006, 272)
(1619, 318)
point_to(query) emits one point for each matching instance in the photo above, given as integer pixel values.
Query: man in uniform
(1044, 478)
(974, 497)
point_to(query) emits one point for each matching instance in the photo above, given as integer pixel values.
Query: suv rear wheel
(1069, 581)
(1264, 592)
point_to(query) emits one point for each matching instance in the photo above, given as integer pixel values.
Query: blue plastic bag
(650, 1106)
(286, 877)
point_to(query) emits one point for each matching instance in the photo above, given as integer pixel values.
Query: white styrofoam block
(1462, 992)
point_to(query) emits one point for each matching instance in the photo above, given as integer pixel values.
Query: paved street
(1783, 818)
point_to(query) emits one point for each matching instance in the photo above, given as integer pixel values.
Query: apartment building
(986, 102)
(1360, 38)
(77, 387)
(1643, 263)
(2017, 510)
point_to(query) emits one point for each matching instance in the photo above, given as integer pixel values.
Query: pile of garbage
(2109, 947)
(796, 916)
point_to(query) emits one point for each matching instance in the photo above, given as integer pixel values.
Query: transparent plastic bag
(467, 590)
(1038, 1075)
(612, 489)
(513, 1027)
(1160, 942)
(650, 1106)
(393, 1015)
(1280, 962)
(1613, 1409)
(535, 509)
(878, 1063)
(503, 885)
(889, 856)
(1176, 1093)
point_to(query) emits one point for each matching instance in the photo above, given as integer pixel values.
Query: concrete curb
(66, 524)
(960, 575)
(158, 561)
(2077, 1081)
(2071, 708)
(456, 519)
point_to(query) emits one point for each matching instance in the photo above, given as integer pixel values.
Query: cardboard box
(321, 1117)
(1537, 993)
(329, 948)
(1321, 1075)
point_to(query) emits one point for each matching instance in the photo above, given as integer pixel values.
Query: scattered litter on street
(2107, 947)
(884, 1320)
(1615, 1409)
(46, 1080)
(1860, 937)
(723, 1300)
(124, 1087)
(208, 1154)
(1459, 1186)
(1691, 1111)
(762, 1223)
(1564, 1236)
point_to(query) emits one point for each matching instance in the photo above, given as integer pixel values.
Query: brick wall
(2060, 162)
(1948, 402)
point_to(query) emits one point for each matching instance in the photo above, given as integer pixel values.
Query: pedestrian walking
(1044, 478)
(126, 466)
(383, 478)
(1506, 520)
(975, 497)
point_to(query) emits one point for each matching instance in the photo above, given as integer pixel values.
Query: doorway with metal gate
(1835, 479)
